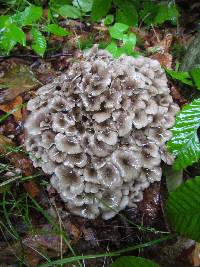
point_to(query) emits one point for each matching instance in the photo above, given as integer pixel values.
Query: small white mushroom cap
(128, 163)
(109, 176)
(67, 144)
(101, 116)
(108, 137)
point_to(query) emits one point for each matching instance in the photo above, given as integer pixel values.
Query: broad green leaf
(182, 76)
(84, 5)
(11, 36)
(132, 261)
(38, 42)
(17, 34)
(57, 30)
(117, 30)
(183, 209)
(108, 19)
(30, 15)
(126, 12)
(3, 20)
(115, 50)
(129, 41)
(68, 11)
(58, 3)
(100, 9)
(195, 73)
(166, 12)
(112, 48)
(185, 142)
(148, 12)
(7, 42)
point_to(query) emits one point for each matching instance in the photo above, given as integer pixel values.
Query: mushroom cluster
(100, 131)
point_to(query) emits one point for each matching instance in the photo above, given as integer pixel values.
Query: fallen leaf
(14, 105)
(4, 141)
(166, 42)
(160, 51)
(21, 161)
(74, 232)
(16, 81)
(177, 96)
(165, 59)
(195, 256)
(38, 244)
(32, 188)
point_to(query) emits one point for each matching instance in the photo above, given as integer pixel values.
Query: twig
(35, 56)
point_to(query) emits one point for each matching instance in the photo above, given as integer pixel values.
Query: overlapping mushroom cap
(100, 131)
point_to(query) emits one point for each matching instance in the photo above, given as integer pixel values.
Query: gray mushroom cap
(99, 130)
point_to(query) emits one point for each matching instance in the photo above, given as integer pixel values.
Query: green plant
(191, 78)
(182, 76)
(183, 209)
(130, 12)
(29, 18)
(185, 142)
(119, 32)
(13, 30)
(131, 261)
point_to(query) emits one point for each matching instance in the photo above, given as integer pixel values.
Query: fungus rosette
(100, 131)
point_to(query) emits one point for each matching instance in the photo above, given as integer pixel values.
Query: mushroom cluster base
(99, 130)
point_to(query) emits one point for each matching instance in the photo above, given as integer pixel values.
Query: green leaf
(68, 11)
(57, 30)
(148, 12)
(108, 19)
(84, 5)
(131, 261)
(100, 9)
(11, 37)
(185, 142)
(183, 209)
(182, 76)
(3, 20)
(17, 34)
(6, 42)
(117, 30)
(166, 12)
(30, 15)
(195, 73)
(38, 42)
(129, 41)
(112, 48)
(126, 12)
(115, 50)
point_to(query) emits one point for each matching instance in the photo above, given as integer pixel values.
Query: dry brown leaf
(47, 244)
(160, 51)
(74, 232)
(195, 255)
(16, 81)
(21, 161)
(4, 141)
(15, 104)
(165, 59)
(32, 188)
(177, 96)
(166, 42)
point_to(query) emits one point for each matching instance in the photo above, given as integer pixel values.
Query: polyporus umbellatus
(100, 131)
